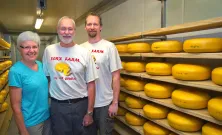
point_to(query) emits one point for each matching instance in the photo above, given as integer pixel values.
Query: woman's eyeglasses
(29, 47)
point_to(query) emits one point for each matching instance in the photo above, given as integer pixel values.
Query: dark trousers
(67, 118)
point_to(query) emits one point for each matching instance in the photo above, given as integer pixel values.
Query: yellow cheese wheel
(190, 98)
(167, 46)
(211, 129)
(135, 67)
(155, 111)
(138, 48)
(158, 90)
(122, 82)
(203, 45)
(134, 84)
(4, 43)
(134, 120)
(4, 107)
(217, 75)
(122, 48)
(121, 111)
(136, 103)
(151, 128)
(184, 122)
(4, 92)
(215, 107)
(191, 72)
(159, 68)
(2, 98)
(122, 96)
(123, 64)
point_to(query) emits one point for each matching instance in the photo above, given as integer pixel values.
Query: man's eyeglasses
(29, 47)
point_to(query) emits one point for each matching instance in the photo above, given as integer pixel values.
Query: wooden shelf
(175, 55)
(161, 122)
(7, 88)
(202, 114)
(5, 57)
(208, 84)
(123, 129)
(4, 114)
(6, 122)
(138, 129)
(2, 71)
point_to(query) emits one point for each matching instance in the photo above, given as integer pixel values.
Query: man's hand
(113, 108)
(87, 120)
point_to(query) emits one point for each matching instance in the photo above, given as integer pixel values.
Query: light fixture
(38, 23)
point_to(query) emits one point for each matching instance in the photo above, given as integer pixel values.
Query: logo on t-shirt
(63, 68)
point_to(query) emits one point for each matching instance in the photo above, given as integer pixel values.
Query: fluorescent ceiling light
(38, 23)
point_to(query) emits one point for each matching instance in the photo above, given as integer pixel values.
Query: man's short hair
(94, 14)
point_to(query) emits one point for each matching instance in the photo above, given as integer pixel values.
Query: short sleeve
(15, 79)
(91, 73)
(45, 63)
(114, 59)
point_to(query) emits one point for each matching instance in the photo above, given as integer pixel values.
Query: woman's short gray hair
(28, 36)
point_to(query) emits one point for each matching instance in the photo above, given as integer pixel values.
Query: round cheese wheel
(135, 67)
(122, 48)
(211, 129)
(134, 120)
(138, 48)
(167, 46)
(4, 92)
(136, 103)
(134, 84)
(184, 122)
(122, 96)
(190, 98)
(2, 98)
(203, 45)
(155, 111)
(158, 90)
(151, 128)
(123, 64)
(122, 82)
(121, 111)
(191, 72)
(159, 68)
(4, 107)
(215, 107)
(217, 75)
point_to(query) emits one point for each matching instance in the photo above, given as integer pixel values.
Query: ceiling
(20, 15)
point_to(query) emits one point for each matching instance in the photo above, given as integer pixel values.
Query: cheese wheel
(167, 46)
(190, 98)
(191, 72)
(4, 107)
(122, 82)
(159, 68)
(122, 96)
(121, 111)
(122, 48)
(158, 90)
(203, 45)
(211, 129)
(151, 128)
(136, 103)
(134, 84)
(184, 122)
(4, 43)
(2, 98)
(4, 92)
(138, 48)
(155, 111)
(135, 67)
(215, 107)
(134, 120)
(217, 75)
(123, 64)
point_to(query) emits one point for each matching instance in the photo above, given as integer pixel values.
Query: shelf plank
(5, 57)
(207, 84)
(130, 54)
(123, 129)
(202, 114)
(161, 122)
(138, 129)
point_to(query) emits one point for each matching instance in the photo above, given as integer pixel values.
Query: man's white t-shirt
(70, 69)
(107, 60)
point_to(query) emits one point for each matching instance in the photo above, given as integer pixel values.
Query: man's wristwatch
(90, 113)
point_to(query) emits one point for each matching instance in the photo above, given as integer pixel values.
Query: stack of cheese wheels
(135, 67)
(158, 89)
(123, 64)
(191, 72)
(4, 107)
(122, 81)
(134, 84)
(159, 68)
(184, 122)
(138, 48)
(167, 46)
(216, 75)
(134, 120)
(190, 98)
(215, 107)
(4, 43)
(203, 45)
(155, 111)
(122, 48)
(122, 96)
(211, 129)
(136, 103)
(151, 128)
(121, 111)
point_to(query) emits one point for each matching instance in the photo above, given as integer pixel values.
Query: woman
(29, 88)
